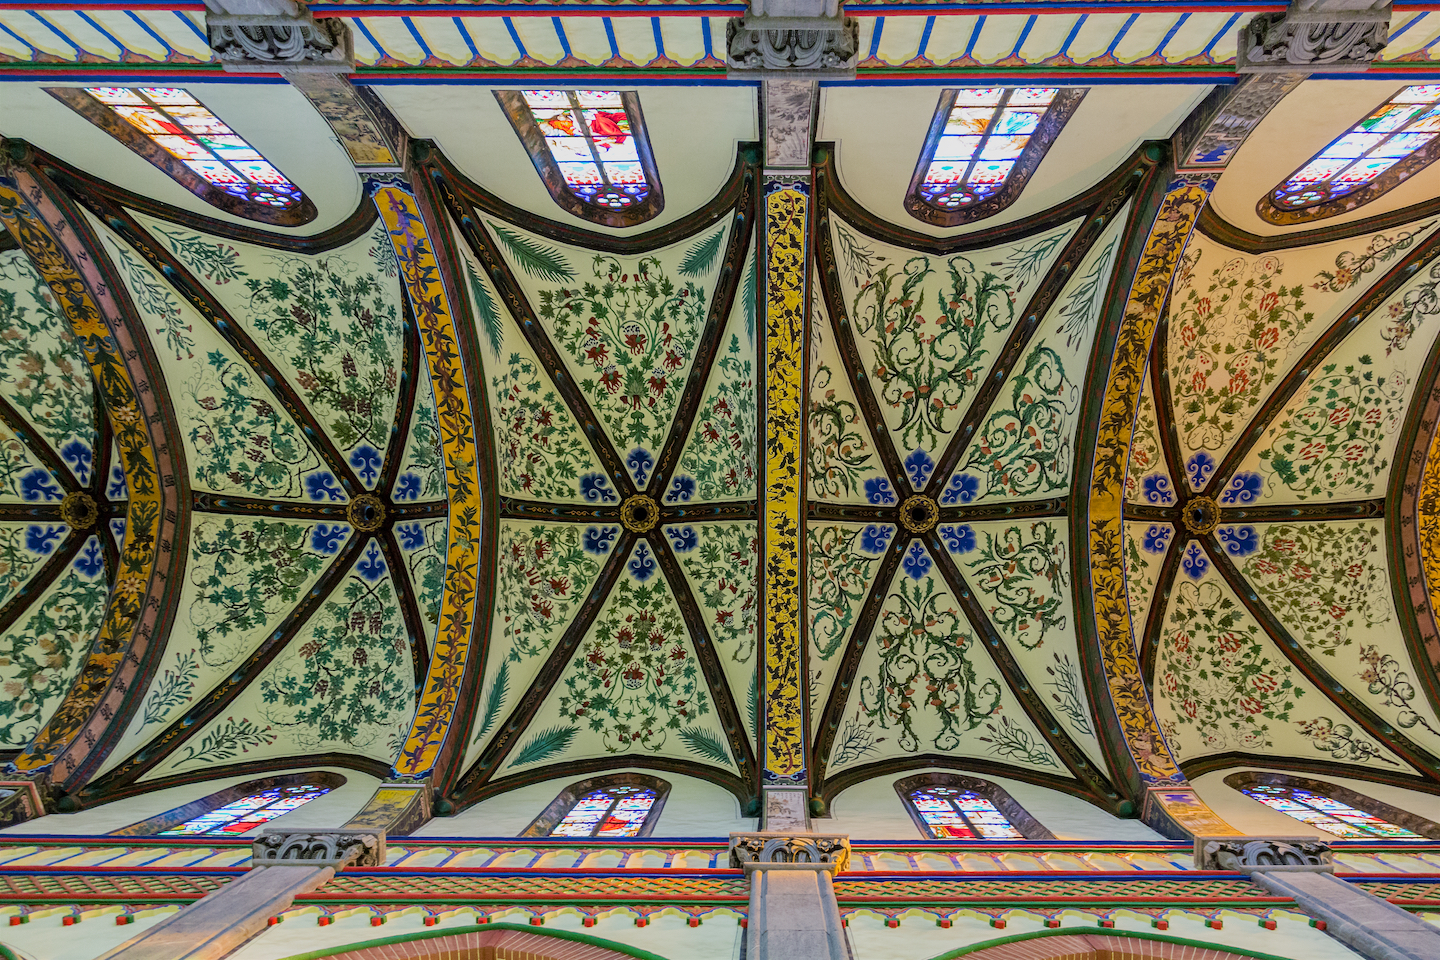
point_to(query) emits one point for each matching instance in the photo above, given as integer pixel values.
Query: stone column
(1303, 868)
(282, 867)
(793, 911)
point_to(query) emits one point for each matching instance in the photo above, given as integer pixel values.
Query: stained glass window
(1327, 814)
(983, 139)
(247, 813)
(608, 812)
(1387, 139)
(591, 150)
(952, 813)
(184, 128)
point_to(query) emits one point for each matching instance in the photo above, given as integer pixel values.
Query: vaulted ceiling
(320, 501)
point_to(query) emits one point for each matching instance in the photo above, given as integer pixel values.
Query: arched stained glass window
(622, 805)
(983, 145)
(1334, 809)
(238, 809)
(1396, 140)
(185, 139)
(950, 807)
(591, 151)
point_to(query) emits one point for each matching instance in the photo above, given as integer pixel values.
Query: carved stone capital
(319, 848)
(1333, 37)
(1263, 854)
(782, 848)
(802, 47)
(256, 43)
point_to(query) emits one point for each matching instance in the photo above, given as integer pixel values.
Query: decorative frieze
(780, 847)
(319, 848)
(1263, 854)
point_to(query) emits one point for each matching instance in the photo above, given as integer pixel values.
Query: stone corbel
(277, 847)
(274, 43)
(1331, 36)
(1264, 854)
(810, 39)
(784, 850)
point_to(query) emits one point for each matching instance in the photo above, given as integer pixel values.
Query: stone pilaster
(793, 911)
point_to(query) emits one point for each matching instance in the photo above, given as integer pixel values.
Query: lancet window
(951, 807)
(1334, 809)
(624, 805)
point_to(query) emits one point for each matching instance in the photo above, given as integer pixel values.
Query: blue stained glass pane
(1352, 145)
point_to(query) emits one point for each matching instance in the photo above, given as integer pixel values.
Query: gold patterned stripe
(439, 698)
(1163, 247)
(131, 616)
(786, 210)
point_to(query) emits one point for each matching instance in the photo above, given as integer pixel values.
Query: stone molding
(1264, 854)
(277, 847)
(803, 47)
(270, 43)
(758, 851)
(1314, 35)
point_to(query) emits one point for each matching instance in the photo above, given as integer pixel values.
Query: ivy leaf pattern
(1333, 443)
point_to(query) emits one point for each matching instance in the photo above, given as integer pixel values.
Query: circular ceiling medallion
(919, 513)
(1201, 515)
(639, 513)
(78, 510)
(366, 513)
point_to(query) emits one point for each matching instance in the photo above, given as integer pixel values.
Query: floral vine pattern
(1227, 343)
(722, 563)
(540, 448)
(1332, 444)
(1024, 449)
(1022, 572)
(842, 565)
(719, 462)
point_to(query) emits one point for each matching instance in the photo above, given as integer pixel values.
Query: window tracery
(1391, 143)
(623, 805)
(951, 807)
(238, 809)
(591, 151)
(186, 140)
(983, 145)
(1334, 809)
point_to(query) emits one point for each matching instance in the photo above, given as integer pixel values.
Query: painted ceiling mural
(951, 385)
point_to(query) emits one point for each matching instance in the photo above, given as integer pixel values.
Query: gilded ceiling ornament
(919, 513)
(1201, 515)
(78, 510)
(366, 513)
(639, 513)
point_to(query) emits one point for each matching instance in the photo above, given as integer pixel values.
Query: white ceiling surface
(880, 131)
(693, 132)
(275, 117)
(1300, 126)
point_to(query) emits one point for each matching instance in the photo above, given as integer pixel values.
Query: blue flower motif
(90, 562)
(595, 487)
(42, 540)
(958, 539)
(1199, 467)
(640, 463)
(597, 540)
(642, 563)
(919, 466)
(1157, 489)
(917, 561)
(962, 489)
(412, 537)
(681, 488)
(1194, 562)
(372, 565)
(117, 530)
(116, 490)
(327, 537)
(1239, 541)
(366, 461)
(407, 487)
(322, 486)
(39, 485)
(877, 490)
(876, 537)
(78, 455)
(1243, 488)
(1157, 538)
(682, 539)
